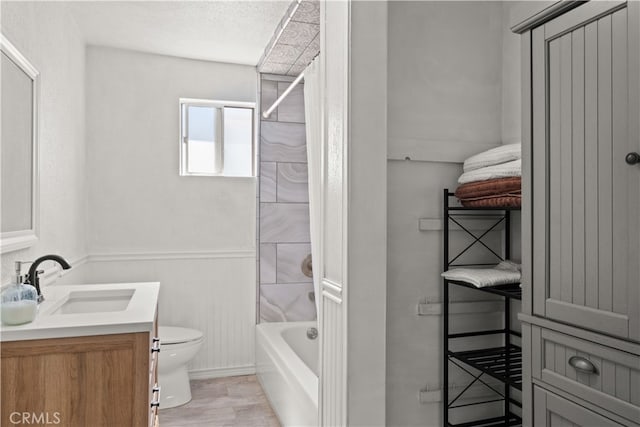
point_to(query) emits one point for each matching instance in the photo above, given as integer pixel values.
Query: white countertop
(138, 316)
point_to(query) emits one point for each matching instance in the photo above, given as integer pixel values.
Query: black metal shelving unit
(503, 363)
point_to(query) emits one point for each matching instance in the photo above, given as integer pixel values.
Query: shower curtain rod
(281, 98)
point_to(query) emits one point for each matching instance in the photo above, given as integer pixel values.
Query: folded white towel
(495, 156)
(505, 273)
(503, 170)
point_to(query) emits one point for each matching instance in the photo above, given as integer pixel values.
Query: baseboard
(203, 374)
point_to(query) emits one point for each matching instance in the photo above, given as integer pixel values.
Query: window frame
(183, 123)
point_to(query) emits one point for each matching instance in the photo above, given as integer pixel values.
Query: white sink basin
(88, 310)
(94, 301)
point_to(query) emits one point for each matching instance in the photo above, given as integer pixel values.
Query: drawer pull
(155, 348)
(155, 339)
(583, 365)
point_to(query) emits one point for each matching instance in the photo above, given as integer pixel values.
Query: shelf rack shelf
(509, 291)
(495, 362)
(512, 420)
(502, 363)
(465, 208)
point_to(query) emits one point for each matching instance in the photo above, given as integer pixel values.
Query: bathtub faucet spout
(312, 333)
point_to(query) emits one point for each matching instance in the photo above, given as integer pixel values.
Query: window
(217, 138)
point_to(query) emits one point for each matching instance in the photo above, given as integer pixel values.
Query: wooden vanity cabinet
(102, 380)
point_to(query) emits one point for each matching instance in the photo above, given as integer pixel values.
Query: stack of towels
(492, 179)
(505, 273)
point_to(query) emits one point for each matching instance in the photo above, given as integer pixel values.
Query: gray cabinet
(586, 253)
(581, 214)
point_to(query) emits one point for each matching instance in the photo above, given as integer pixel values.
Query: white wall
(513, 12)
(196, 235)
(137, 200)
(445, 78)
(444, 90)
(511, 89)
(47, 35)
(367, 227)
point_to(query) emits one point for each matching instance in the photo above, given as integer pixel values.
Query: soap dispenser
(19, 301)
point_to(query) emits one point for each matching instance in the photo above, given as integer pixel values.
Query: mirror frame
(20, 239)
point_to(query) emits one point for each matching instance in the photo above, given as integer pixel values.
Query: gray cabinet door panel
(579, 17)
(633, 45)
(551, 410)
(586, 252)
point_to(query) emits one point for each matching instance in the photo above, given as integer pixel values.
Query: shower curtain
(313, 125)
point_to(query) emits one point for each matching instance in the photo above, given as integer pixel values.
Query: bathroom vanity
(89, 358)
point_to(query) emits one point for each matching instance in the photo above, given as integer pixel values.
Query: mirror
(18, 150)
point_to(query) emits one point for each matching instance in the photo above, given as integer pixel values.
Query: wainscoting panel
(213, 292)
(333, 410)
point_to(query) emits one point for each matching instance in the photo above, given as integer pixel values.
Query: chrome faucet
(32, 277)
(312, 333)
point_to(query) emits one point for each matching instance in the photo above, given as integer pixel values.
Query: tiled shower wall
(283, 205)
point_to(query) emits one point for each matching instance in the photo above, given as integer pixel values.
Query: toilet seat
(176, 335)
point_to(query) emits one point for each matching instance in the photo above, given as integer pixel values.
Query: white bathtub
(287, 368)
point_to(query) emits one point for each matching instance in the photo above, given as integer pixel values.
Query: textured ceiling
(227, 31)
(295, 42)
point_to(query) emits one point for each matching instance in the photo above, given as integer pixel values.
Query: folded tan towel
(498, 201)
(491, 187)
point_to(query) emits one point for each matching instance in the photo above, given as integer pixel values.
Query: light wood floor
(232, 401)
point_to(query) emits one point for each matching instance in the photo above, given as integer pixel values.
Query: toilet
(177, 347)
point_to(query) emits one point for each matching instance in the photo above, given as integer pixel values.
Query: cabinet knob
(583, 365)
(632, 158)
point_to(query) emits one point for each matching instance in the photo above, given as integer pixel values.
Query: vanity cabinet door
(77, 381)
(585, 194)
